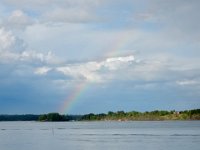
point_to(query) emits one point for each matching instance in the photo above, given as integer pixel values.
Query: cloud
(18, 19)
(7, 40)
(120, 59)
(74, 15)
(116, 62)
(58, 3)
(28, 57)
(55, 11)
(91, 71)
(141, 73)
(187, 82)
(179, 19)
(37, 56)
(96, 40)
(42, 70)
(12, 49)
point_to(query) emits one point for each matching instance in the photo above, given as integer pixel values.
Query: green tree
(43, 117)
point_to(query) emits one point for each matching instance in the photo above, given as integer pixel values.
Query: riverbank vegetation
(153, 115)
(118, 116)
(58, 117)
(27, 117)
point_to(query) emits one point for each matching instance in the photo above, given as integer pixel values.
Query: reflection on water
(151, 135)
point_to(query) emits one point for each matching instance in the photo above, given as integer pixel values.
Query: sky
(83, 56)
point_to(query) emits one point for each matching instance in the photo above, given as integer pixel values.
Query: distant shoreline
(157, 115)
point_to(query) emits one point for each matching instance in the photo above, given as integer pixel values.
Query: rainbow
(82, 87)
(73, 96)
(120, 42)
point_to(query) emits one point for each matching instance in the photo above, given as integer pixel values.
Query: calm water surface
(149, 135)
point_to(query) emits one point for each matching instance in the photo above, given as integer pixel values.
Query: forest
(145, 116)
(157, 115)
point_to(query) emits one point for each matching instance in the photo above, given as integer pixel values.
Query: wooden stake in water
(53, 131)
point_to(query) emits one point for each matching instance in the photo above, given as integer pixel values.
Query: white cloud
(8, 57)
(156, 70)
(64, 38)
(83, 71)
(59, 3)
(33, 55)
(187, 82)
(18, 19)
(68, 15)
(116, 62)
(12, 50)
(92, 71)
(7, 39)
(120, 59)
(42, 70)
(56, 11)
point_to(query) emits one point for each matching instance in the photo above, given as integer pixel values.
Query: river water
(138, 135)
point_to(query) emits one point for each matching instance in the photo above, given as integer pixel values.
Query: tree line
(152, 115)
(119, 115)
(58, 117)
(26, 117)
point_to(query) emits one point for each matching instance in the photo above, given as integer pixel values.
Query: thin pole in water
(53, 131)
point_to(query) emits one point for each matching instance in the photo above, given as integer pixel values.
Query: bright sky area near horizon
(82, 56)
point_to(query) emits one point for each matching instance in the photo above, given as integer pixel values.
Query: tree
(43, 117)
(52, 117)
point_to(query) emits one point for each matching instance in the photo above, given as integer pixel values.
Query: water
(151, 135)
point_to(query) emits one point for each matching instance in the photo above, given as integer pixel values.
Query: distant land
(157, 115)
